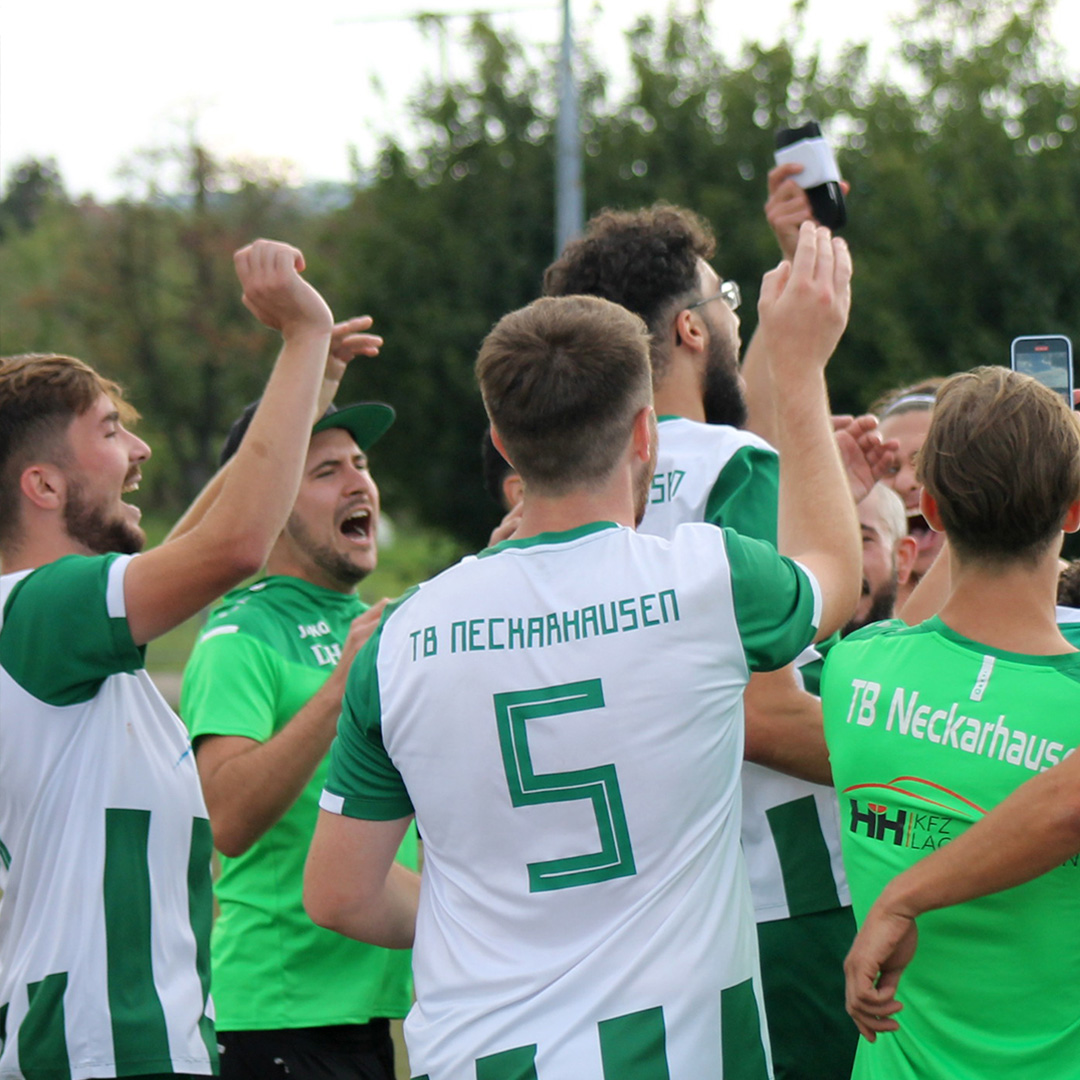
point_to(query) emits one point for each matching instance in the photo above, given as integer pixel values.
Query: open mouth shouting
(359, 525)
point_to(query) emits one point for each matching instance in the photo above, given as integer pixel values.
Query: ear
(1072, 518)
(644, 433)
(44, 485)
(496, 438)
(512, 489)
(905, 553)
(690, 331)
(929, 509)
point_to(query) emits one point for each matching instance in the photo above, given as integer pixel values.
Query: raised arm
(347, 340)
(804, 308)
(172, 582)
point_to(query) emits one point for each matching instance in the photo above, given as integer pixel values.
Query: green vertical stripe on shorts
(138, 1020)
(516, 1064)
(3, 1026)
(5, 855)
(42, 1042)
(805, 864)
(744, 1054)
(634, 1046)
(201, 909)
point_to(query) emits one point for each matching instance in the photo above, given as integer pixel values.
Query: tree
(32, 186)
(964, 223)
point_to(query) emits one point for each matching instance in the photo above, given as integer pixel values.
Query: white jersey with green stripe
(791, 829)
(104, 842)
(564, 716)
(1068, 620)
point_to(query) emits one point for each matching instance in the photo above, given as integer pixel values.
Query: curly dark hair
(646, 260)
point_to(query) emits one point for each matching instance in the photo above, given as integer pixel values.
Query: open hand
(804, 304)
(867, 457)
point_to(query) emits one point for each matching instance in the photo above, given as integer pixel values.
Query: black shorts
(340, 1052)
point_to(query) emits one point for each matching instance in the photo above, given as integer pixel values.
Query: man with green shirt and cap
(261, 697)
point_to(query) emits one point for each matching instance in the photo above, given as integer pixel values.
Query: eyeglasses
(729, 293)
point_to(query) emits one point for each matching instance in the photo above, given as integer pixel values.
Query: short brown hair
(1002, 461)
(646, 260)
(562, 381)
(40, 394)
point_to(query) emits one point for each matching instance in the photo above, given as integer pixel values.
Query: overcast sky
(91, 83)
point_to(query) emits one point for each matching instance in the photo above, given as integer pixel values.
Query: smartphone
(1047, 358)
(820, 177)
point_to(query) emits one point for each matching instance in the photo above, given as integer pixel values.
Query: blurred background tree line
(964, 219)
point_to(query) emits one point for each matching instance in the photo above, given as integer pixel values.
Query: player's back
(565, 713)
(927, 731)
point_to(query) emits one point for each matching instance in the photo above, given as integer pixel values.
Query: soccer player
(261, 697)
(931, 726)
(104, 838)
(654, 262)
(563, 716)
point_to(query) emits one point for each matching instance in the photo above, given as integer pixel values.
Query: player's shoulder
(276, 606)
(867, 640)
(720, 439)
(69, 579)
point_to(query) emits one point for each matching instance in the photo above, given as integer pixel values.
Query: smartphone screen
(1048, 359)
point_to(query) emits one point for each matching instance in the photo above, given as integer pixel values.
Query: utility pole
(569, 190)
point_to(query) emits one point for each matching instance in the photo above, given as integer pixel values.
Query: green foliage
(964, 223)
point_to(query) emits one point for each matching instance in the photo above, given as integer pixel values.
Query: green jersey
(927, 731)
(261, 657)
(104, 842)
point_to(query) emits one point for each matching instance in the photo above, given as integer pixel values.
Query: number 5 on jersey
(600, 784)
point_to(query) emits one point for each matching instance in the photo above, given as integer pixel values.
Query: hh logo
(934, 814)
(877, 824)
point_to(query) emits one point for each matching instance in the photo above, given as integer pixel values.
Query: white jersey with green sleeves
(263, 654)
(564, 715)
(104, 842)
(928, 731)
(791, 832)
(715, 473)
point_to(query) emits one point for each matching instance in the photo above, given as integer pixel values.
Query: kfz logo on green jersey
(934, 815)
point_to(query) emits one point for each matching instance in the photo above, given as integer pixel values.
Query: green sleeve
(65, 629)
(811, 676)
(363, 781)
(746, 494)
(232, 685)
(777, 602)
